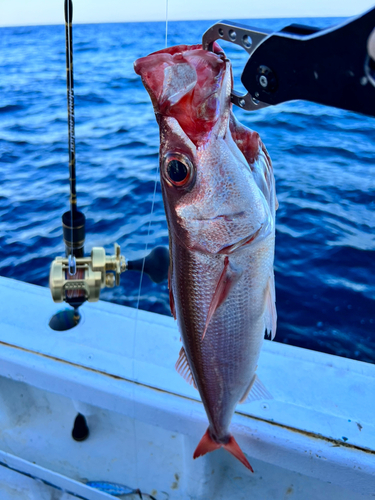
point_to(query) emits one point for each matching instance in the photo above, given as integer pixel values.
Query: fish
(220, 201)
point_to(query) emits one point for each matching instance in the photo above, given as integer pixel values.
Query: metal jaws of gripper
(97, 272)
(247, 38)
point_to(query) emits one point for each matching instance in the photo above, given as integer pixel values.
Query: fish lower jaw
(232, 249)
(252, 239)
(226, 217)
(215, 248)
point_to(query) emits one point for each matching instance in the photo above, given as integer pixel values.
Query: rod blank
(68, 11)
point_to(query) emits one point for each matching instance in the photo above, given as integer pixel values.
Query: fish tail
(207, 444)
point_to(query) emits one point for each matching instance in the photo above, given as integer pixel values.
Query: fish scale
(220, 208)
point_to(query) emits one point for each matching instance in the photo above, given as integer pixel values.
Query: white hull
(145, 421)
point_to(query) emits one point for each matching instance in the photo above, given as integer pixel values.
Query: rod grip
(74, 235)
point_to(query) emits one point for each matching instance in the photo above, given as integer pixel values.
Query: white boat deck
(315, 437)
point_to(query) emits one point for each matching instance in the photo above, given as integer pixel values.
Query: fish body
(219, 196)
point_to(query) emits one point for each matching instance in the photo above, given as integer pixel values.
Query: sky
(37, 12)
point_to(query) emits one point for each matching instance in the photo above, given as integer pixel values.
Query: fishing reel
(92, 274)
(76, 278)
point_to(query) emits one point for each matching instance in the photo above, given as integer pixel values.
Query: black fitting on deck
(80, 430)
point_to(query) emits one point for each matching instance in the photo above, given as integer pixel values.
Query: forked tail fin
(207, 444)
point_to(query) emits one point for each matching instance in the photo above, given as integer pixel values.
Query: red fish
(219, 196)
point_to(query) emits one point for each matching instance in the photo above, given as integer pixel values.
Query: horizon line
(131, 21)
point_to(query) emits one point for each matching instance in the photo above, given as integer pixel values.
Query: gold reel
(99, 271)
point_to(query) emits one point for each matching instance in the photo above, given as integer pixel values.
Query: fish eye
(178, 169)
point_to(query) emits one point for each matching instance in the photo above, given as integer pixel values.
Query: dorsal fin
(183, 368)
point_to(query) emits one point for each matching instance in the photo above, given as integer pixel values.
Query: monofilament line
(166, 23)
(135, 336)
(148, 235)
(156, 181)
(142, 272)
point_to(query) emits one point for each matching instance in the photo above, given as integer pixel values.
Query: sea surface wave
(323, 162)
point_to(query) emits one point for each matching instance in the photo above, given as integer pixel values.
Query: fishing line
(141, 282)
(141, 278)
(166, 23)
(148, 235)
(153, 197)
(137, 314)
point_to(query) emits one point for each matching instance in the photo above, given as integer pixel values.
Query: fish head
(212, 202)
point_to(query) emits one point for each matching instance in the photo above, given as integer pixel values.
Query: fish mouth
(226, 217)
(258, 235)
(245, 241)
(206, 241)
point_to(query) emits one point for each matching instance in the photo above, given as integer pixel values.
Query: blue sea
(324, 164)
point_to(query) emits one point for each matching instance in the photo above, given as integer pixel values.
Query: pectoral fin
(227, 280)
(171, 298)
(255, 391)
(270, 313)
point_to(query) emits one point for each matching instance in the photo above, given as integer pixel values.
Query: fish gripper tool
(332, 66)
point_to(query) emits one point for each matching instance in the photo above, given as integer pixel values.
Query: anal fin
(183, 368)
(255, 391)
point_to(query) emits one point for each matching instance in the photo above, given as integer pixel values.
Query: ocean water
(323, 163)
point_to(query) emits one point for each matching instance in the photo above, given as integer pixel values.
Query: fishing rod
(76, 278)
(73, 221)
(68, 11)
